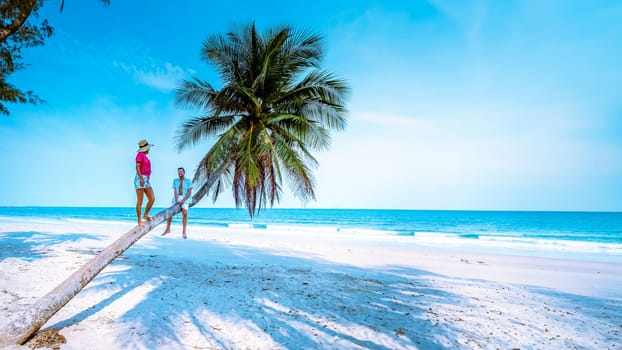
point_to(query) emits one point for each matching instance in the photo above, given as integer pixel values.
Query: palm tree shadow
(220, 293)
(290, 302)
(32, 245)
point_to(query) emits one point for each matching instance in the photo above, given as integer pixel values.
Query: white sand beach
(238, 288)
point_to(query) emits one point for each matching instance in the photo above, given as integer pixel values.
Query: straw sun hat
(143, 146)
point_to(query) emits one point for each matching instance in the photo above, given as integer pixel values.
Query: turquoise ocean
(591, 235)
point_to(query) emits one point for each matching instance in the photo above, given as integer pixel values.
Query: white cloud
(164, 77)
(133, 60)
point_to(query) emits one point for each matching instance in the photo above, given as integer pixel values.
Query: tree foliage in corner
(277, 104)
(19, 28)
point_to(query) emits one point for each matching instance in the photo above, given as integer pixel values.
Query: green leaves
(18, 30)
(276, 105)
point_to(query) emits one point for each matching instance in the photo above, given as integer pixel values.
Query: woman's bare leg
(139, 203)
(150, 201)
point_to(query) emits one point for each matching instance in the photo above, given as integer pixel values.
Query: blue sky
(500, 105)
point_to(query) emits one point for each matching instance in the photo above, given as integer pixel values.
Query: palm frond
(214, 166)
(198, 94)
(322, 85)
(234, 99)
(196, 129)
(298, 171)
(306, 130)
(223, 54)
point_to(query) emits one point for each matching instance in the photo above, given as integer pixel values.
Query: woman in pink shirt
(141, 182)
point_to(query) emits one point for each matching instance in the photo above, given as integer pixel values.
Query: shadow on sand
(32, 245)
(222, 293)
(290, 302)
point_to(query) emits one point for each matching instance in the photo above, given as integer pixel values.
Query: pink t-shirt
(145, 163)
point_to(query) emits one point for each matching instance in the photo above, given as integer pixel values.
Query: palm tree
(275, 106)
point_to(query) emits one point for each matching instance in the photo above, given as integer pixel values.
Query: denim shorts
(137, 182)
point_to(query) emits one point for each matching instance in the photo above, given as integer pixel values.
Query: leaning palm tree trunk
(22, 328)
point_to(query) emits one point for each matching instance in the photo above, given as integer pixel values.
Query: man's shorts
(186, 204)
(137, 182)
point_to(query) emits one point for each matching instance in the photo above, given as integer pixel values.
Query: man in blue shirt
(182, 190)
